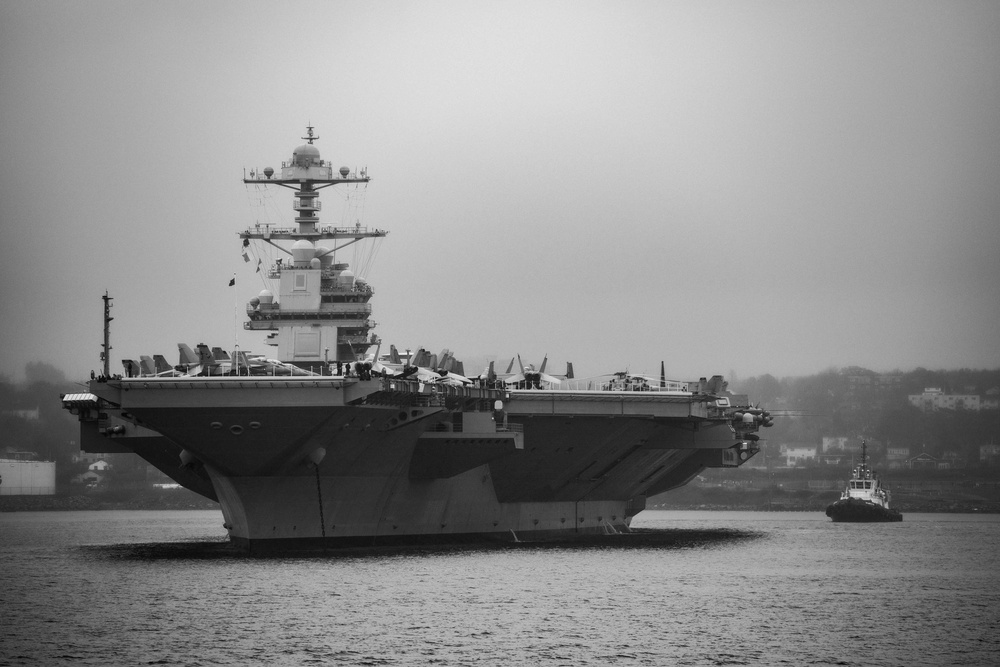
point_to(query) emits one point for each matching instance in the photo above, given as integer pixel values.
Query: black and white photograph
(500, 332)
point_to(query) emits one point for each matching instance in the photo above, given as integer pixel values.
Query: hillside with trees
(860, 404)
(32, 419)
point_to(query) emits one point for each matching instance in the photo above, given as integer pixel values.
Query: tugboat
(864, 499)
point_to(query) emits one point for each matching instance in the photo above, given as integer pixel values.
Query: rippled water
(708, 588)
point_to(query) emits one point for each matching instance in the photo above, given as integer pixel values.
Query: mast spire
(106, 346)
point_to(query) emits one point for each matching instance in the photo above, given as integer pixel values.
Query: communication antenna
(106, 346)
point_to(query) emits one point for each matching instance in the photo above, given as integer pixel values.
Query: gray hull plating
(314, 463)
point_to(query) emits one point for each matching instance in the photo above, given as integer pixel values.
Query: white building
(992, 400)
(22, 477)
(896, 456)
(934, 399)
(834, 444)
(796, 456)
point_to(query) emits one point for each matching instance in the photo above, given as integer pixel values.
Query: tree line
(839, 402)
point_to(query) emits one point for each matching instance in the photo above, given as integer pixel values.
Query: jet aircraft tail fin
(187, 355)
(160, 364)
(205, 356)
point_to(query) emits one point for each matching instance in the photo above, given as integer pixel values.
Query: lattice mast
(321, 313)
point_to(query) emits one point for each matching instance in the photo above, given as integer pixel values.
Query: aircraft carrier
(323, 444)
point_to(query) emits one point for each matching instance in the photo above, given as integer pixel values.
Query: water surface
(713, 588)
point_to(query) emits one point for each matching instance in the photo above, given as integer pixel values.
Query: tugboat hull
(861, 511)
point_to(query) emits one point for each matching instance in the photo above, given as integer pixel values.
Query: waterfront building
(934, 399)
(21, 475)
(896, 457)
(798, 456)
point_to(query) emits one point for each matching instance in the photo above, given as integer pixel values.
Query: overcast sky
(749, 187)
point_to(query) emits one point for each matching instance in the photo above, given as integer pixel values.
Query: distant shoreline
(984, 501)
(180, 499)
(738, 501)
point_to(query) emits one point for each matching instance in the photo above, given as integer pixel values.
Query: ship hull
(853, 510)
(273, 515)
(376, 488)
(325, 463)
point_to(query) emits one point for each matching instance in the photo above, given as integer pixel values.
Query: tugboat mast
(320, 305)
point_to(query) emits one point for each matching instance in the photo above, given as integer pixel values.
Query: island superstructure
(321, 307)
(323, 444)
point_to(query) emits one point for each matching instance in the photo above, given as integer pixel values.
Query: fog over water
(762, 187)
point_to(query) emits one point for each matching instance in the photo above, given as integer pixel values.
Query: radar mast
(320, 306)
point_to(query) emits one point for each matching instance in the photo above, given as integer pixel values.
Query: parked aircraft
(529, 378)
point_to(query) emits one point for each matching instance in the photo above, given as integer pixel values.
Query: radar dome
(268, 172)
(302, 252)
(344, 171)
(266, 297)
(325, 256)
(305, 155)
